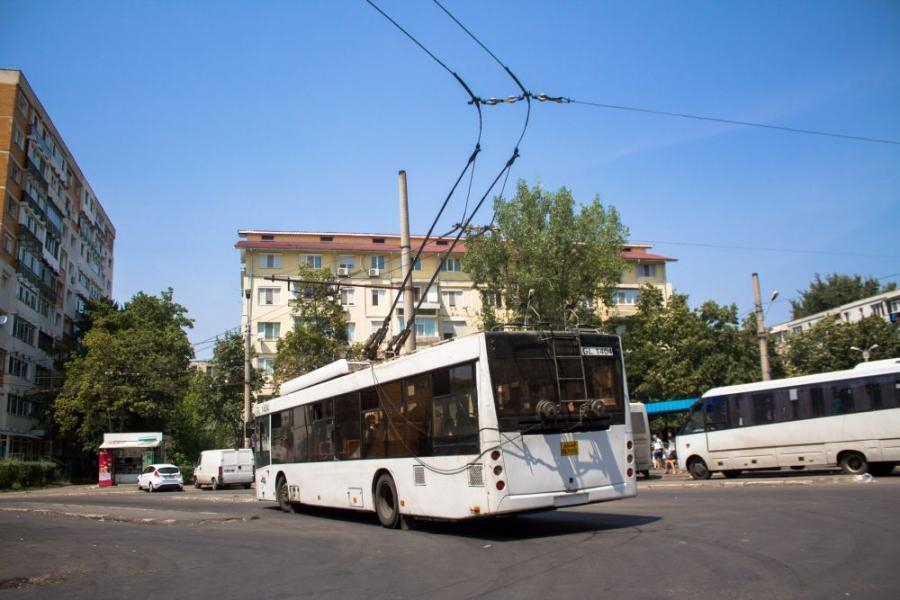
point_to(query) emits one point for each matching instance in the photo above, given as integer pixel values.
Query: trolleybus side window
(261, 452)
(373, 423)
(321, 430)
(763, 409)
(416, 406)
(454, 411)
(299, 434)
(347, 428)
(716, 413)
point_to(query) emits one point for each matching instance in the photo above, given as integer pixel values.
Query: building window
(351, 331)
(23, 330)
(267, 237)
(346, 262)
(19, 138)
(646, 270)
(375, 325)
(17, 367)
(376, 262)
(268, 331)
(626, 297)
(18, 406)
(878, 310)
(377, 297)
(346, 296)
(312, 261)
(9, 244)
(12, 207)
(452, 298)
(268, 295)
(22, 103)
(895, 306)
(417, 266)
(425, 326)
(452, 265)
(266, 365)
(269, 261)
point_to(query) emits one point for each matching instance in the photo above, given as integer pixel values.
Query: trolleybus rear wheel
(387, 506)
(284, 499)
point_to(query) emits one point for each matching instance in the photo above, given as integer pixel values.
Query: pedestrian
(671, 456)
(659, 451)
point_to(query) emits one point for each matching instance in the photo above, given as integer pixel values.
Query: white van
(218, 468)
(640, 429)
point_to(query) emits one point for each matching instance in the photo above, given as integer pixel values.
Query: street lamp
(867, 353)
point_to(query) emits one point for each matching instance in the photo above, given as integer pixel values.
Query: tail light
(495, 455)
(498, 469)
(500, 485)
(156, 474)
(629, 445)
(630, 472)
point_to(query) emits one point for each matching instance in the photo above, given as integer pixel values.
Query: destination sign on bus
(597, 351)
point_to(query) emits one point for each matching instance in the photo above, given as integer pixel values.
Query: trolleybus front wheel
(387, 505)
(283, 493)
(698, 469)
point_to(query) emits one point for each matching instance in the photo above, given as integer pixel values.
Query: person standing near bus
(658, 451)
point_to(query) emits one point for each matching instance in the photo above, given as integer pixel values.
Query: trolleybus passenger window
(414, 426)
(454, 411)
(261, 452)
(873, 392)
(842, 400)
(792, 412)
(321, 431)
(817, 402)
(282, 439)
(300, 434)
(347, 419)
(373, 424)
(392, 403)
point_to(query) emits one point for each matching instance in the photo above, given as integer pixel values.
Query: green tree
(834, 291)
(673, 351)
(826, 346)
(130, 371)
(544, 256)
(319, 335)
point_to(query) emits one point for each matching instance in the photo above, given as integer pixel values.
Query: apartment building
(452, 307)
(885, 305)
(56, 255)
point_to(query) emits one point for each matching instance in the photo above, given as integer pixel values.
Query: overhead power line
(858, 138)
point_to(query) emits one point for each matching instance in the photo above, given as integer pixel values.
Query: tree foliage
(545, 255)
(673, 351)
(130, 372)
(834, 291)
(826, 346)
(319, 335)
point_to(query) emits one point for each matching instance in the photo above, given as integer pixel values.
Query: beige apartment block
(452, 306)
(56, 254)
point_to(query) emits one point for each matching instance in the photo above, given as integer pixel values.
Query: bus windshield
(556, 382)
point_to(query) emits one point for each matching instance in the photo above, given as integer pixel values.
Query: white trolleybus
(487, 424)
(847, 418)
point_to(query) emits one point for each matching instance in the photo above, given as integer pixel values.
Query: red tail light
(495, 455)
(501, 485)
(156, 474)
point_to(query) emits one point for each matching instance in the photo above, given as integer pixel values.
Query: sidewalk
(751, 479)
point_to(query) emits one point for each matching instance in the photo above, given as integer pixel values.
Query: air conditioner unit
(374, 272)
(343, 271)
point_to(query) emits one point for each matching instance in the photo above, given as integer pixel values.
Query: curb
(103, 517)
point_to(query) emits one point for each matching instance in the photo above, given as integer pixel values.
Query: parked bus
(846, 418)
(486, 424)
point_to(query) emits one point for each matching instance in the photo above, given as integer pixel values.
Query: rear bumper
(525, 502)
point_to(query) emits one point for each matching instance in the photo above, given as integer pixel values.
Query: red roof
(645, 256)
(339, 246)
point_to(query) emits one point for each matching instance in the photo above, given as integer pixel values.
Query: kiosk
(124, 455)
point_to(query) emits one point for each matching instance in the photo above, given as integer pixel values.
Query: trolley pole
(761, 331)
(248, 296)
(406, 264)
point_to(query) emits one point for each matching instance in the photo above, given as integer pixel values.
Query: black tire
(284, 502)
(881, 469)
(196, 483)
(646, 474)
(853, 463)
(732, 473)
(387, 504)
(698, 469)
(213, 484)
(150, 489)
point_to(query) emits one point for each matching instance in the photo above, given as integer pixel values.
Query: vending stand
(124, 455)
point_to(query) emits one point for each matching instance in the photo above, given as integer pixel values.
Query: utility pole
(248, 296)
(761, 331)
(406, 264)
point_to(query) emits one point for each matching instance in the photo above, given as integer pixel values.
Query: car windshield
(168, 470)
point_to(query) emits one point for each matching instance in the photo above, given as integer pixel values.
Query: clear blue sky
(194, 120)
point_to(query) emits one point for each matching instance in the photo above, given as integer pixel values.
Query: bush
(187, 473)
(17, 474)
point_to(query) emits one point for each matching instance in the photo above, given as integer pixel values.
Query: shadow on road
(500, 528)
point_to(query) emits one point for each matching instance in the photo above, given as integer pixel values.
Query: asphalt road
(837, 540)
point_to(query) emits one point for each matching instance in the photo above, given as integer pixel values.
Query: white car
(157, 477)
